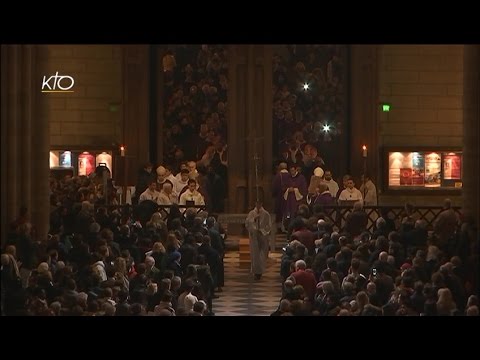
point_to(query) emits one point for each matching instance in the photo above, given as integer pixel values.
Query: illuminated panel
(452, 166)
(106, 159)
(66, 159)
(433, 167)
(54, 159)
(86, 164)
(418, 169)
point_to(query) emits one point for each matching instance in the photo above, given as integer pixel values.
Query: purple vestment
(279, 186)
(290, 205)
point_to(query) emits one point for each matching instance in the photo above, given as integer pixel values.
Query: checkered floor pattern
(244, 296)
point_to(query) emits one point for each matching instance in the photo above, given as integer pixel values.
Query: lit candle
(122, 150)
(364, 153)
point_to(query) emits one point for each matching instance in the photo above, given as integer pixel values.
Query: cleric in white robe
(258, 224)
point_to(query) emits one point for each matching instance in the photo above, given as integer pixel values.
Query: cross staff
(255, 139)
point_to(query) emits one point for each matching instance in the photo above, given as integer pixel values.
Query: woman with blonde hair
(362, 300)
(121, 273)
(172, 243)
(445, 304)
(158, 253)
(157, 225)
(156, 221)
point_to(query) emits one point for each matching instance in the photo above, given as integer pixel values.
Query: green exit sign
(385, 107)
(113, 107)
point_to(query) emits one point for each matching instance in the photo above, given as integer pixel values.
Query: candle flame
(364, 147)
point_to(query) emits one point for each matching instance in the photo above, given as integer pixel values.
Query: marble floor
(244, 296)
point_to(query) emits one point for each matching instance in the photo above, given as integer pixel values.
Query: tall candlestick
(364, 153)
(122, 150)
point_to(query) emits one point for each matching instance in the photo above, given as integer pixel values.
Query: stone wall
(91, 115)
(424, 85)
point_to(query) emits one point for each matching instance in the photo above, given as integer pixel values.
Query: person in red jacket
(306, 278)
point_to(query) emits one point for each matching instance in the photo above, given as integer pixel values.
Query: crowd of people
(101, 260)
(163, 255)
(290, 190)
(400, 268)
(195, 98)
(309, 104)
(309, 89)
(202, 187)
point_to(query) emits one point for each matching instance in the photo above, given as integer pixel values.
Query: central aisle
(242, 295)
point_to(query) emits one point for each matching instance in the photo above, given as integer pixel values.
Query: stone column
(236, 122)
(260, 124)
(364, 112)
(25, 140)
(12, 108)
(160, 52)
(471, 119)
(267, 111)
(249, 126)
(136, 99)
(5, 198)
(27, 123)
(252, 129)
(40, 149)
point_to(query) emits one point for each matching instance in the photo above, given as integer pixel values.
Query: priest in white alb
(258, 224)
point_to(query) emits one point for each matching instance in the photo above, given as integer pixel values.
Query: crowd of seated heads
(102, 262)
(402, 271)
(165, 188)
(309, 94)
(195, 96)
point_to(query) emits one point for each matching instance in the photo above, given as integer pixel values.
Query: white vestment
(258, 224)
(370, 191)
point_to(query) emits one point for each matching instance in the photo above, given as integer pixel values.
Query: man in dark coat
(144, 178)
(356, 221)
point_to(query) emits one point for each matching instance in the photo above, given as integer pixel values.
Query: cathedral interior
(91, 133)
